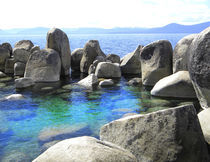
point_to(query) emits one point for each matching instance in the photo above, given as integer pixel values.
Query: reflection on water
(53, 112)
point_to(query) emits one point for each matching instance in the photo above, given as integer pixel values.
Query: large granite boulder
(204, 119)
(91, 51)
(9, 65)
(24, 82)
(113, 58)
(167, 135)
(85, 149)
(58, 40)
(7, 46)
(199, 66)
(108, 70)
(131, 63)
(177, 85)
(19, 69)
(44, 66)
(76, 57)
(181, 52)
(4, 55)
(156, 62)
(24, 44)
(89, 82)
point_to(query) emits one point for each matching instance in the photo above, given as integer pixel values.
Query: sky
(101, 13)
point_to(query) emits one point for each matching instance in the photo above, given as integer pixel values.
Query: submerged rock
(199, 66)
(135, 81)
(167, 135)
(58, 40)
(15, 97)
(44, 66)
(108, 70)
(131, 63)
(82, 149)
(156, 62)
(181, 53)
(176, 85)
(24, 82)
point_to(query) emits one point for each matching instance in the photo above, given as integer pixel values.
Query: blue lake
(53, 112)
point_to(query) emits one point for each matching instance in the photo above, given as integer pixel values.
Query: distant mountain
(170, 28)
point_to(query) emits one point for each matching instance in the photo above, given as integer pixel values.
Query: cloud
(102, 13)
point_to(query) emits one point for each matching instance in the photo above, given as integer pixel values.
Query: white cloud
(102, 13)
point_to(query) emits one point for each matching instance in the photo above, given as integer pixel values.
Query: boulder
(58, 40)
(92, 69)
(113, 58)
(89, 82)
(21, 55)
(101, 58)
(19, 69)
(156, 62)
(7, 46)
(23, 82)
(131, 63)
(44, 66)
(9, 66)
(135, 81)
(204, 119)
(177, 85)
(35, 48)
(199, 66)
(76, 57)
(91, 51)
(166, 135)
(15, 97)
(24, 44)
(85, 149)
(108, 70)
(4, 55)
(106, 82)
(181, 52)
(2, 75)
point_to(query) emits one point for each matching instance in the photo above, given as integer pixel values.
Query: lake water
(47, 115)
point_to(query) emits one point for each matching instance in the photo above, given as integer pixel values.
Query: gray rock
(204, 119)
(23, 82)
(113, 58)
(19, 69)
(58, 40)
(95, 63)
(44, 66)
(108, 70)
(76, 57)
(15, 97)
(7, 46)
(85, 149)
(35, 48)
(135, 81)
(88, 82)
(4, 55)
(106, 82)
(9, 66)
(2, 75)
(156, 62)
(199, 66)
(181, 52)
(24, 44)
(91, 51)
(100, 58)
(92, 69)
(21, 55)
(177, 85)
(167, 135)
(131, 63)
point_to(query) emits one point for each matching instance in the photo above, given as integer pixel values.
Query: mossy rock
(155, 103)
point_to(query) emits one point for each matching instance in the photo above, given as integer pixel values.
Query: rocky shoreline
(174, 134)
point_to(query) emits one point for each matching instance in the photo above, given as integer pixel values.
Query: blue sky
(102, 13)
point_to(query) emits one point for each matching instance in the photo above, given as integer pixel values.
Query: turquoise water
(53, 112)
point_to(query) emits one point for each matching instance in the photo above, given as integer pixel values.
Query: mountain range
(170, 28)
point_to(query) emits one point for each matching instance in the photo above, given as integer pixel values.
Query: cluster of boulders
(168, 135)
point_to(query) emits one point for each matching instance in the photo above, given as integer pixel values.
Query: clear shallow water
(47, 115)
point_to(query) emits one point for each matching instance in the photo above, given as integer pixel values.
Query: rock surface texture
(91, 51)
(108, 70)
(58, 40)
(167, 135)
(44, 66)
(23, 82)
(85, 149)
(4, 55)
(156, 62)
(19, 68)
(177, 85)
(88, 82)
(113, 58)
(181, 52)
(76, 57)
(199, 66)
(131, 63)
